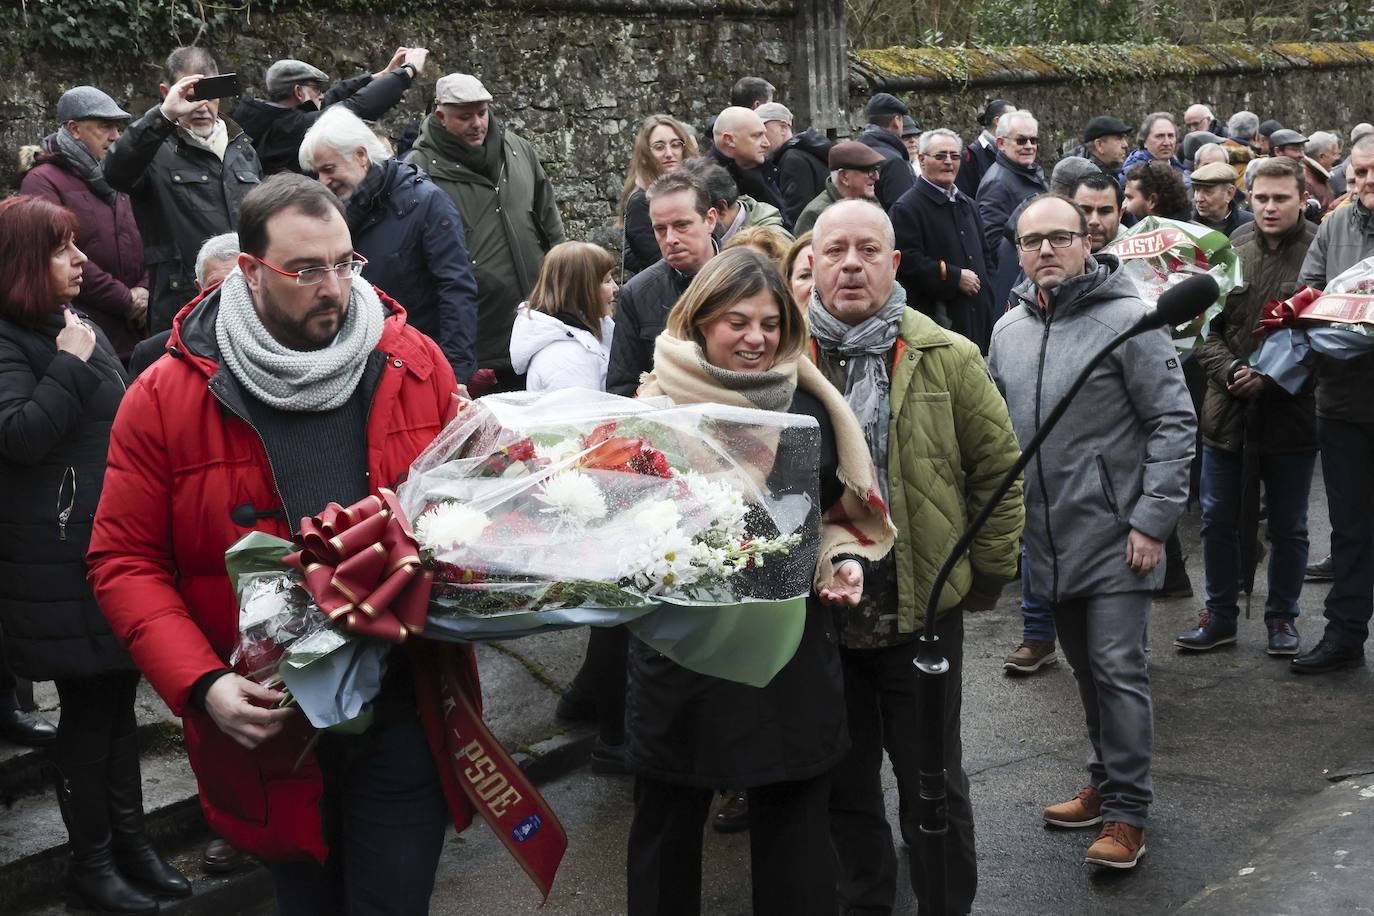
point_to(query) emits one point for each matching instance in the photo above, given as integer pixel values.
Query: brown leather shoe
(733, 816)
(222, 858)
(1083, 810)
(1030, 657)
(1118, 846)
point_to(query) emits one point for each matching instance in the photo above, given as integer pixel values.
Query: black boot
(133, 852)
(92, 879)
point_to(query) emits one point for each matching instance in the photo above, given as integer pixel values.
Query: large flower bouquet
(1337, 322)
(1158, 253)
(697, 526)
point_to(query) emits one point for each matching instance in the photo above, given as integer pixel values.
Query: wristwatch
(411, 67)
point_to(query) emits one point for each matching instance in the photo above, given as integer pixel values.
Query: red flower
(599, 435)
(520, 451)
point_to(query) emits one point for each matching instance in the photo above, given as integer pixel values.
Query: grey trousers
(1103, 637)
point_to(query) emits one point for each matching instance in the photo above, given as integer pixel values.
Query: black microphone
(1181, 303)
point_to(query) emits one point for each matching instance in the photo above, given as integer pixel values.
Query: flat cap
(909, 126)
(1268, 127)
(1105, 126)
(81, 102)
(851, 154)
(460, 89)
(773, 111)
(1066, 173)
(885, 103)
(1214, 173)
(1286, 137)
(287, 73)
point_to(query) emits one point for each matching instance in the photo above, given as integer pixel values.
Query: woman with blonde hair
(736, 337)
(767, 241)
(662, 144)
(562, 336)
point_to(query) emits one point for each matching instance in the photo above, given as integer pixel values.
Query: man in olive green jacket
(941, 439)
(509, 215)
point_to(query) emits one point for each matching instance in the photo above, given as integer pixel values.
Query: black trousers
(880, 698)
(95, 712)
(1347, 457)
(789, 849)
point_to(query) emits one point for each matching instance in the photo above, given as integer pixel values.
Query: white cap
(460, 89)
(773, 111)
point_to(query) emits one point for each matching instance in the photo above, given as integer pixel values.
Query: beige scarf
(858, 524)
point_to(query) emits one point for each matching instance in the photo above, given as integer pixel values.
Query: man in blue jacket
(409, 230)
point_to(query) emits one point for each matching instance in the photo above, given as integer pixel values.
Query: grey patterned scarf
(864, 348)
(293, 379)
(82, 163)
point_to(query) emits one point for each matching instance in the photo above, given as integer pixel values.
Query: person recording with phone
(186, 171)
(298, 93)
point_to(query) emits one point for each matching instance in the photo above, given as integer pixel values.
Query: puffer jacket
(182, 195)
(1288, 422)
(1119, 459)
(950, 442)
(509, 228)
(1344, 239)
(803, 166)
(108, 235)
(55, 417)
(552, 353)
(174, 503)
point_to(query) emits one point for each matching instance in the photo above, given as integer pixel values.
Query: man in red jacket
(292, 384)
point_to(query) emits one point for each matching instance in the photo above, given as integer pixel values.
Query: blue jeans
(1037, 617)
(1288, 482)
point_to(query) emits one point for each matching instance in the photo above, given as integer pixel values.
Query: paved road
(1240, 745)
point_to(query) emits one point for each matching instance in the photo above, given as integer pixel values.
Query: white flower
(725, 503)
(449, 525)
(656, 518)
(573, 497)
(559, 451)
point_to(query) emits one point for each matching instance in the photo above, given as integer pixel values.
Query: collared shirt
(988, 140)
(952, 192)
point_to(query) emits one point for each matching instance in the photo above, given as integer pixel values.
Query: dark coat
(1005, 187)
(277, 131)
(692, 729)
(895, 177)
(640, 249)
(641, 313)
(977, 160)
(182, 195)
(939, 238)
(412, 236)
(55, 418)
(756, 182)
(1235, 219)
(1289, 421)
(803, 166)
(108, 236)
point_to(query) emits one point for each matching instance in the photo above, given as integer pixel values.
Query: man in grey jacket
(1102, 495)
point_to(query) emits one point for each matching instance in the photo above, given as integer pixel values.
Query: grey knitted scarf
(864, 348)
(293, 379)
(82, 163)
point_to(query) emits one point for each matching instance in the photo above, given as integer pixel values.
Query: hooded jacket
(509, 225)
(895, 177)
(174, 503)
(182, 195)
(412, 236)
(1119, 459)
(108, 236)
(803, 165)
(277, 130)
(552, 353)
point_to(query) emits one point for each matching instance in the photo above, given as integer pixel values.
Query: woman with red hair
(60, 386)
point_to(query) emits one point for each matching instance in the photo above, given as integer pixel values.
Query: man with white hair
(741, 148)
(943, 451)
(1322, 153)
(1200, 117)
(1014, 178)
(408, 230)
(1241, 129)
(217, 258)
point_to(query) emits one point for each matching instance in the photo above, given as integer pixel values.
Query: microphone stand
(932, 667)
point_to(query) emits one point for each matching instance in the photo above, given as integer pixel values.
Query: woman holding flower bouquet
(736, 337)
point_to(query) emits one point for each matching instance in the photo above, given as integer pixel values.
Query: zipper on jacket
(64, 514)
(1040, 463)
(1108, 493)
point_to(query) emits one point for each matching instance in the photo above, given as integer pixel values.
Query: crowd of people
(210, 326)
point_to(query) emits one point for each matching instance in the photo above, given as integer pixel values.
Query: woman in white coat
(562, 335)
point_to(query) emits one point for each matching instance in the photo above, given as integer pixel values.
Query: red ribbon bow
(362, 565)
(1285, 313)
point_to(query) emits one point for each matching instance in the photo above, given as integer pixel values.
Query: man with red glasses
(292, 384)
(1013, 178)
(946, 258)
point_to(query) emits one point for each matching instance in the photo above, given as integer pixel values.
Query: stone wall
(572, 76)
(1305, 86)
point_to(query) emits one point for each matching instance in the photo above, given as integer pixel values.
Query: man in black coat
(409, 230)
(296, 97)
(884, 135)
(982, 152)
(683, 220)
(741, 147)
(1013, 179)
(799, 159)
(946, 258)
